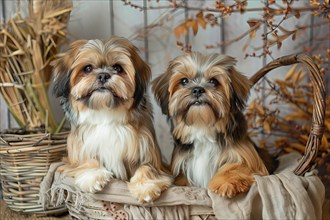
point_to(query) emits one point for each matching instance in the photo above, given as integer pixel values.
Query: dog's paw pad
(145, 192)
(93, 180)
(148, 199)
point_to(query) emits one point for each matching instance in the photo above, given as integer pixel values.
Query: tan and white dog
(102, 85)
(203, 97)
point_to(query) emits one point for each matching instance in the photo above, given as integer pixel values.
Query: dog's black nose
(198, 91)
(103, 77)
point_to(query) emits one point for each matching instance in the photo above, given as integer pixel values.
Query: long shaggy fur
(203, 97)
(102, 86)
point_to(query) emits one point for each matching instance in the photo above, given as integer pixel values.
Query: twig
(286, 97)
(12, 85)
(207, 9)
(238, 38)
(60, 126)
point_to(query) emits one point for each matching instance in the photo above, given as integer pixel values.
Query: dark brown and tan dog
(203, 97)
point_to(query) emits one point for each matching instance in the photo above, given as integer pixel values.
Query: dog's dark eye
(88, 69)
(214, 82)
(184, 81)
(117, 68)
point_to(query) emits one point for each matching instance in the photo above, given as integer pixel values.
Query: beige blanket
(280, 196)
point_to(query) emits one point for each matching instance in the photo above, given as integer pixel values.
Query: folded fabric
(283, 195)
(280, 196)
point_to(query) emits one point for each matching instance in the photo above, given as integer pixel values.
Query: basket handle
(317, 129)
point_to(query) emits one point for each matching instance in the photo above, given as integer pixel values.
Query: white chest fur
(203, 163)
(106, 137)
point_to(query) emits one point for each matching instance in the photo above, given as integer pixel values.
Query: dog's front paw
(145, 192)
(93, 180)
(147, 183)
(231, 180)
(229, 188)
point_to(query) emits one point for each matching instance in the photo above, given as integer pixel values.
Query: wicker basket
(24, 161)
(104, 206)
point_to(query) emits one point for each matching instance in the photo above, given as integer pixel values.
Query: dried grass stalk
(27, 47)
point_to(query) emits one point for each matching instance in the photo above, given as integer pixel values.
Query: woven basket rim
(20, 143)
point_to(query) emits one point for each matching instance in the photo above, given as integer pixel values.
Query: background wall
(92, 19)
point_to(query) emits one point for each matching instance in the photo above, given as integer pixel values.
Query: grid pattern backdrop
(150, 27)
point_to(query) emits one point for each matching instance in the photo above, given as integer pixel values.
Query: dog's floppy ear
(160, 87)
(142, 75)
(240, 86)
(62, 69)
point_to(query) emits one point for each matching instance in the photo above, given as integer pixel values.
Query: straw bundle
(27, 47)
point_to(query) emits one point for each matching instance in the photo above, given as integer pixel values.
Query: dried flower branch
(183, 46)
(209, 17)
(235, 8)
(323, 9)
